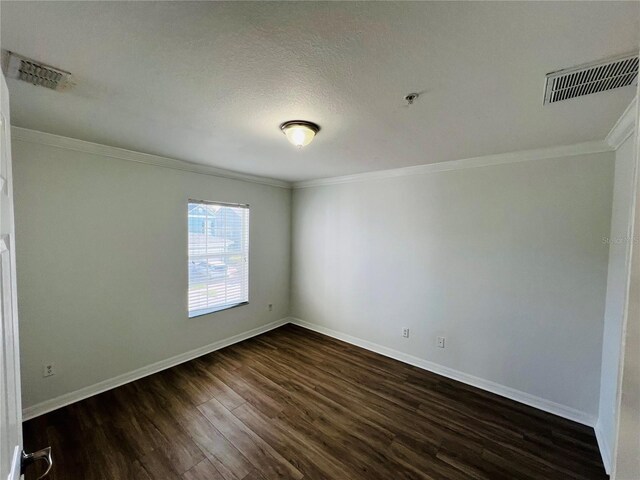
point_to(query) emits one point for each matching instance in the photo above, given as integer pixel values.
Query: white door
(12, 459)
(10, 402)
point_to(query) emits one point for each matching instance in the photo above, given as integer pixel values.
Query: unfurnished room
(319, 240)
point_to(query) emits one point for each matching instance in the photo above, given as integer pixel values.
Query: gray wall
(102, 265)
(507, 262)
(617, 287)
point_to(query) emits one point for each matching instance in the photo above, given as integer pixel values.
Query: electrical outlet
(270, 307)
(405, 332)
(48, 370)
(441, 342)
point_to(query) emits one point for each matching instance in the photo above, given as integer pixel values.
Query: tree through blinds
(218, 256)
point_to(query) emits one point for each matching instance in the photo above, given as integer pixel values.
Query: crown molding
(58, 141)
(598, 146)
(624, 127)
(618, 134)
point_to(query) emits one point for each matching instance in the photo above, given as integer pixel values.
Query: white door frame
(10, 392)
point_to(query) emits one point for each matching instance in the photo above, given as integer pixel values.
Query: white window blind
(218, 256)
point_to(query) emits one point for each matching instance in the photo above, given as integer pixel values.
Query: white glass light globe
(299, 133)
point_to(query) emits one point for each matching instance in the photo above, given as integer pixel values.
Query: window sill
(207, 311)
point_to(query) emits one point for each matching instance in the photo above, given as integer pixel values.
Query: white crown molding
(504, 391)
(597, 146)
(618, 134)
(86, 392)
(624, 127)
(603, 446)
(58, 141)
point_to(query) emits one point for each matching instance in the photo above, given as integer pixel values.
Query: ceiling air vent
(34, 72)
(591, 78)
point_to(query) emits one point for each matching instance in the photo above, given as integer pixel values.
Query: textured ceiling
(210, 82)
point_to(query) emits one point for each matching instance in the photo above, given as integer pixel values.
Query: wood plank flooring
(294, 404)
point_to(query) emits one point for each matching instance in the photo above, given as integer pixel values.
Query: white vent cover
(591, 78)
(29, 70)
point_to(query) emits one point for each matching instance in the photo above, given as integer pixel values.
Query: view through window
(218, 256)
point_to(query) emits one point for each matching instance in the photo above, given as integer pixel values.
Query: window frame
(209, 310)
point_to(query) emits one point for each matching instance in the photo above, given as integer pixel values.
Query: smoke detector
(34, 72)
(591, 78)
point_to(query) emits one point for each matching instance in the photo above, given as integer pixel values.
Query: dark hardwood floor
(295, 404)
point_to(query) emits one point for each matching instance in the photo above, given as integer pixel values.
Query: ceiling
(209, 83)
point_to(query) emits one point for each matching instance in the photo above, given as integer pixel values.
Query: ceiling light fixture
(299, 132)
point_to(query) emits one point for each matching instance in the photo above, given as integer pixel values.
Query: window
(218, 256)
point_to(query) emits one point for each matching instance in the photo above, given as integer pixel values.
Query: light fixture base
(302, 123)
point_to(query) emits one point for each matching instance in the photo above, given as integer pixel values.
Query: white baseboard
(81, 394)
(603, 445)
(511, 393)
